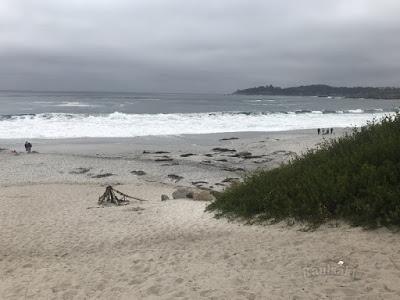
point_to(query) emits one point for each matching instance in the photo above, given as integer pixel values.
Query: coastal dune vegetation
(355, 178)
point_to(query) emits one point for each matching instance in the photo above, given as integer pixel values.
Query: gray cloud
(188, 45)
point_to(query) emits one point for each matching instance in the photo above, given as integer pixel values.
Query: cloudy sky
(197, 45)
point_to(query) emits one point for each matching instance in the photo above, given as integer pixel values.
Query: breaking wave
(117, 124)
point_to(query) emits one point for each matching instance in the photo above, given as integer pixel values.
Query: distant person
(331, 130)
(319, 131)
(28, 147)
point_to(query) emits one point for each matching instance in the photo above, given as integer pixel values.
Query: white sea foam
(355, 111)
(261, 100)
(73, 104)
(59, 125)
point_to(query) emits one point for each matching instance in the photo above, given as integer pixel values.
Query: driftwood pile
(110, 197)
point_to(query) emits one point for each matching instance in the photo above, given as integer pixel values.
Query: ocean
(55, 115)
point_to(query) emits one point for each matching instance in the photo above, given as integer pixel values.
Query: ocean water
(87, 114)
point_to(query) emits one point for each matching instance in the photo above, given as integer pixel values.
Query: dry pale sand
(53, 247)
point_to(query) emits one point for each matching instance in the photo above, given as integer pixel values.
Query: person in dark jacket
(28, 147)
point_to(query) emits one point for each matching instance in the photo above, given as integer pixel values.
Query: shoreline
(162, 140)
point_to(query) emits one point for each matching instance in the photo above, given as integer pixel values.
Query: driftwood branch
(127, 196)
(110, 196)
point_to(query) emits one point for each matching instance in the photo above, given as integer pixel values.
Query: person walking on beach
(331, 130)
(28, 147)
(319, 131)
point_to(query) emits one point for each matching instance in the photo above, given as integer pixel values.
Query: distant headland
(322, 90)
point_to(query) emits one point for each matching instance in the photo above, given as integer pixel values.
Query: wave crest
(119, 124)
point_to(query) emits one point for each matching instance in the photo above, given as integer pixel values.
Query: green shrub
(355, 178)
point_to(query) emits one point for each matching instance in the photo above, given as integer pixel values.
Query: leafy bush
(355, 177)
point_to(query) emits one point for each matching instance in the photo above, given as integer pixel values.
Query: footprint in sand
(154, 290)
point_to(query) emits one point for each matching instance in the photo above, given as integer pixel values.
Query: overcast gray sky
(197, 45)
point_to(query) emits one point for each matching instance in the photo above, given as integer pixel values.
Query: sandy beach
(56, 243)
(206, 158)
